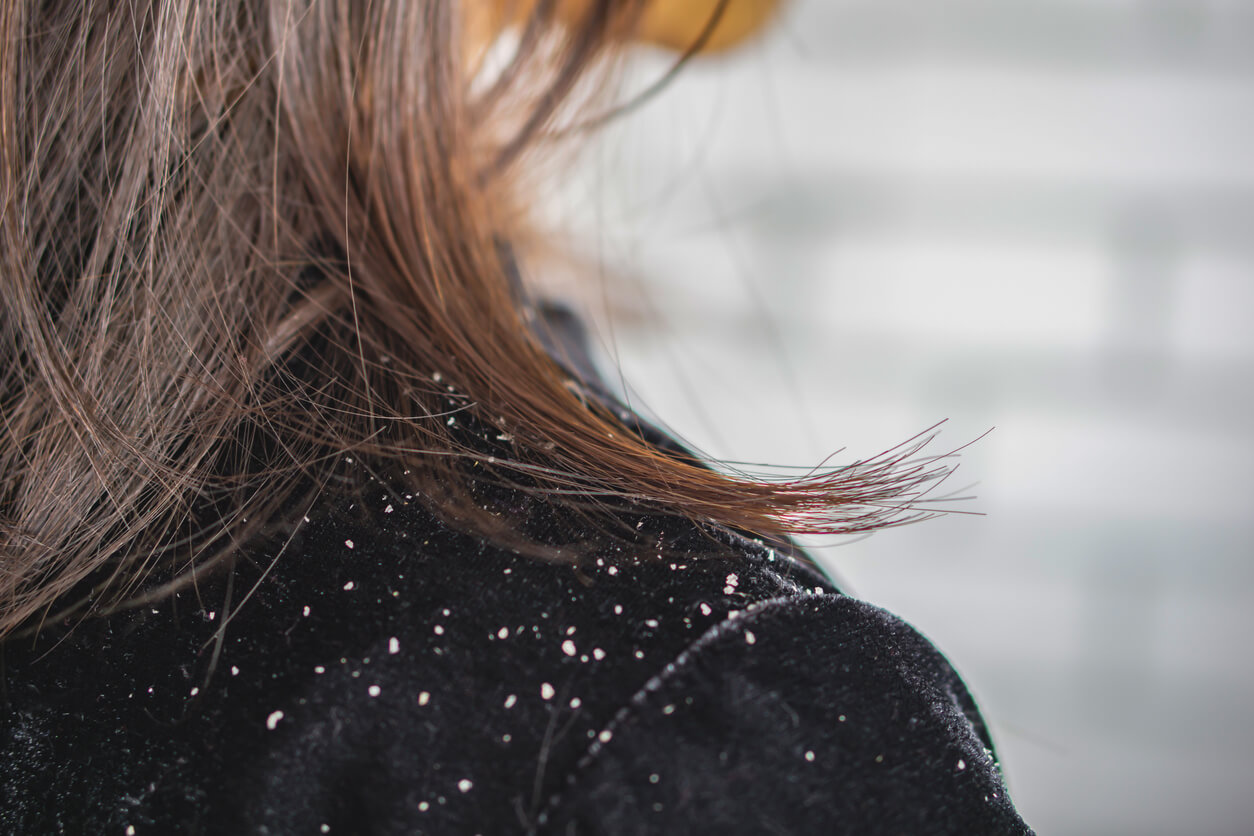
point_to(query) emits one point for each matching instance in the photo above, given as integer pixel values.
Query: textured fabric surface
(379, 673)
(388, 675)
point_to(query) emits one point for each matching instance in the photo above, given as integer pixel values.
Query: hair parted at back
(242, 239)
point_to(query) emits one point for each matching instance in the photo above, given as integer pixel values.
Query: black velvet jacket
(388, 675)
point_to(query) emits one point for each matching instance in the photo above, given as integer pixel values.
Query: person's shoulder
(811, 713)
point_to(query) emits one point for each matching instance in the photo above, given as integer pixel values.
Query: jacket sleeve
(801, 715)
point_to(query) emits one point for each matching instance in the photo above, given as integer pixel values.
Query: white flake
(373, 690)
(568, 647)
(234, 671)
(305, 611)
(502, 633)
(273, 719)
(705, 609)
(424, 698)
(605, 736)
(598, 653)
(388, 509)
(465, 784)
(576, 702)
(749, 637)
(546, 691)
(439, 631)
(394, 645)
(349, 586)
(349, 543)
(510, 700)
(809, 756)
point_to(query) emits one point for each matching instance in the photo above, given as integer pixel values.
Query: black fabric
(379, 673)
(388, 675)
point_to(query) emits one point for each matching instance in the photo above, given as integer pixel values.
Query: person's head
(243, 240)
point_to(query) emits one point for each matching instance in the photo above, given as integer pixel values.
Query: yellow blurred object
(675, 24)
(678, 23)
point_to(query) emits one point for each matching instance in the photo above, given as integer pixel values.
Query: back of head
(243, 239)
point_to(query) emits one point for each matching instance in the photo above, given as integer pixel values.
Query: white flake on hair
(424, 698)
(394, 645)
(546, 691)
(373, 690)
(273, 719)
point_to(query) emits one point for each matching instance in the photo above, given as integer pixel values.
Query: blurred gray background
(1033, 215)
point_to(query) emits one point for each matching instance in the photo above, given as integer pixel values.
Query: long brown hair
(243, 239)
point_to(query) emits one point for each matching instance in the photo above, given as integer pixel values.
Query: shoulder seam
(736, 620)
